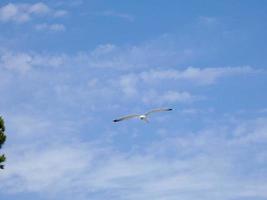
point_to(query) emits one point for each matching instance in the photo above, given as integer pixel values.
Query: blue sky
(68, 68)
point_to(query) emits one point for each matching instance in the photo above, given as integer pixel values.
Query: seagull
(142, 116)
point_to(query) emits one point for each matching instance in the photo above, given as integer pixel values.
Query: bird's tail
(146, 120)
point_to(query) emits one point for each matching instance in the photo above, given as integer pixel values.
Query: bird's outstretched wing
(125, 117)
(158, 110)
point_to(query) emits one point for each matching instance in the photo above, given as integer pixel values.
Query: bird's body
(143, 117)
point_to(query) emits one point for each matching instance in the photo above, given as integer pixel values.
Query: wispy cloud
(22, 13)
(20, 62)
(139, 58)
(50, 27)
(202, 76)
(132, 87)
(207, 20)
(152, 97)
(120, 15)
(208, 164)
(57, 105)
(144, 85)
(23, 62)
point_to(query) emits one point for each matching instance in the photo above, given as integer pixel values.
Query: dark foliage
(2, 141)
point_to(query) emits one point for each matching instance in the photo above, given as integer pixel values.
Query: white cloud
(124, 16)
(144, 86)
(251, 132)
(202, 76)
(140, 58)
(208, 164)
(60, 13)
(128, 85)
(151, 54)
(24, 62)
(18, 62)
(133, 87)
(194, 111)
(50, 27)
(263, 110)
(207, 20)
(173, 96)
(38, 169)
(38, 8)
(27, 126)
(152, 97)
(21, 13)
(188, 166)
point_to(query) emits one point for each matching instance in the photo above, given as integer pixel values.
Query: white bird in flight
(143, 117)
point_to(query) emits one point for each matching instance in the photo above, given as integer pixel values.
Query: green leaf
(2, 158)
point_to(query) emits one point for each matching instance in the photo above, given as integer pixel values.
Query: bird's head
(142, 117)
